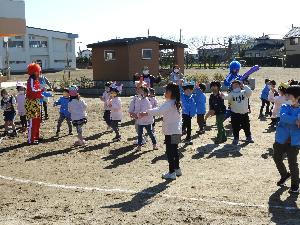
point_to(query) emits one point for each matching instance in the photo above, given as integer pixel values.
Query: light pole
(7, 72)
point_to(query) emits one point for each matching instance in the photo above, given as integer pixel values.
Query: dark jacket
(216, 103)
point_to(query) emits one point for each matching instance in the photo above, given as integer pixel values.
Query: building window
(109, 55)
(294, 41)
(62, 60)
(14, 44)
(257, 54)
(38, 44)
(146, 53)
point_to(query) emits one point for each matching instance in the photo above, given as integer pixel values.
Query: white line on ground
(118, 190)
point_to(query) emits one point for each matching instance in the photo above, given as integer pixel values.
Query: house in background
(120, 59)
(265, 47)
(292, 48)
(53, 50)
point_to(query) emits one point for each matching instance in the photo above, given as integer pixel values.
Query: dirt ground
(112, 183)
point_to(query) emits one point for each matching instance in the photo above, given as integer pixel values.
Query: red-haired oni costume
(32, 103)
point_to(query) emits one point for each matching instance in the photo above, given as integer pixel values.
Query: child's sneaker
(139, 148)
(136, 142)
(117, 138)
(178, 172)
(284, 179)
(294, 189)
(57, 134)
(169, 176)
(201, 132)
(5, 133)
(249, 140)
(70, 133)
(155, 147)
(235, 141)
(14, 133)
(189, 141)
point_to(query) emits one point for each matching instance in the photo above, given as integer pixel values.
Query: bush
(218, 77)
(200, 78)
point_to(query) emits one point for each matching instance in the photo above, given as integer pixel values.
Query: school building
(53, 50)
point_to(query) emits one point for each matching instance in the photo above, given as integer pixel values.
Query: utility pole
(180, 35)
(7, 72)
(148, 32)
(68, 63)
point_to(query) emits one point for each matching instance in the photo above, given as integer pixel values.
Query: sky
(99, 20)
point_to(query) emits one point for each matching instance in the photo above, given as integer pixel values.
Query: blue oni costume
(234, 69)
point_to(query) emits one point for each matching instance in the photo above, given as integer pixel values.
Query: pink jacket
(143, 105)
(116, 109)
(21, 104)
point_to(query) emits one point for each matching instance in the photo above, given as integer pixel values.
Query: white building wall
(53, 56)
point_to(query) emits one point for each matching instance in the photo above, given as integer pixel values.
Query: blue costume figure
(234, 69)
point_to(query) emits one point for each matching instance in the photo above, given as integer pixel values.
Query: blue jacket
(265, 93)
(188, 104)
(63, 102)
(200, 99)
(230, 77)
(287, 128)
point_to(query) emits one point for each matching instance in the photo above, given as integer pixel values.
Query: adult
(234, 69)
(176, 75)
(32, 103)
(147, 77)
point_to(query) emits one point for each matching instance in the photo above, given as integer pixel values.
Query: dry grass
(215, 175)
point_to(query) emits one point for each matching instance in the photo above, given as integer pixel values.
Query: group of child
(183, 101)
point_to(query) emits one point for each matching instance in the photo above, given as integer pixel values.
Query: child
(133, 104)
(272, 88)
(154, 103)
(20, 99)
(8, 103)
(64, 114)
(143, 104)
(218, 108)
(171, 126)
(105, 98)
(238, 99)
(264, 99)
(77, 108)
(200, 106)
(278, 102)
(287, 139)
(188, 108)
(44, 82)
(115, 107)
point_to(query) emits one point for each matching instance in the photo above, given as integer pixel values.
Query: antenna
(148, 32)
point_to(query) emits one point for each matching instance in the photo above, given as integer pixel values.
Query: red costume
(32, 103)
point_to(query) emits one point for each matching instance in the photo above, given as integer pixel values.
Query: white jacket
(278, 102)
(116, 109)
(142, 105)
(77, 108)
(239, 100)
(105, 99)
(172, 120)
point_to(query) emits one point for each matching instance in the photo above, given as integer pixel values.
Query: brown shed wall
(136, 61)
(110, 70)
